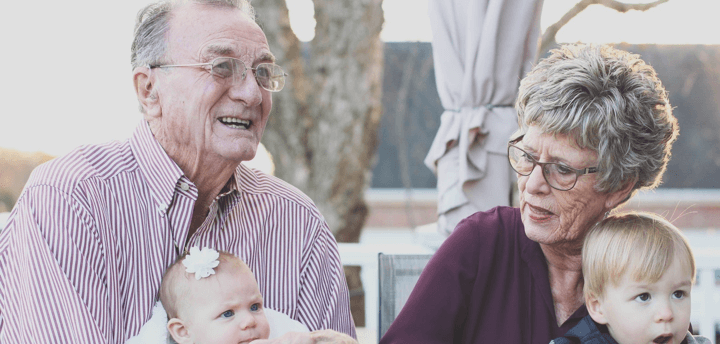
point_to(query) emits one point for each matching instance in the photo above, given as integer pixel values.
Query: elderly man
(86, 246)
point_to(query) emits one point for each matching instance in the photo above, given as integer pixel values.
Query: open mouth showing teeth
(662, 339)
(235, 123)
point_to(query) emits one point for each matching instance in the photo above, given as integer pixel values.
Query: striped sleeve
(44, 272)
(323, 301)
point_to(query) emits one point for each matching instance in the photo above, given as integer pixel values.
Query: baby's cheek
(264, 327)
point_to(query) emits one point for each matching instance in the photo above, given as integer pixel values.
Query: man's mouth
(235, 123)
(662, 339)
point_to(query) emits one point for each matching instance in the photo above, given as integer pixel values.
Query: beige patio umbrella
(481, 50)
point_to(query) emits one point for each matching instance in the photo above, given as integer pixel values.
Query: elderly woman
(595, 127)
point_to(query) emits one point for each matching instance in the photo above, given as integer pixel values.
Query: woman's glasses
(558, 176)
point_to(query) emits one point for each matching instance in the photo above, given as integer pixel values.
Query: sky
(67, 76)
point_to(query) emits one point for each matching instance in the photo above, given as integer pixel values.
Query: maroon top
(488, 283)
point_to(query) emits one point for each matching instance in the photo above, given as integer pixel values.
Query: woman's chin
(540, 228)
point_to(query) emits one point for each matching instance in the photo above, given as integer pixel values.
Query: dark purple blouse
(488, 283)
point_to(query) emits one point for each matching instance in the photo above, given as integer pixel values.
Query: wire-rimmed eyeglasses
(559, 176)
(229, 69)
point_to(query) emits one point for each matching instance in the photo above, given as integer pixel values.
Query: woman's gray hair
(609, 101)
(152, 23)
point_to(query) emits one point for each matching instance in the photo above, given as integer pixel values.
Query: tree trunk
(322, 131)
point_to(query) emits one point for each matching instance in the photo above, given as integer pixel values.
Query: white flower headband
(201, 262)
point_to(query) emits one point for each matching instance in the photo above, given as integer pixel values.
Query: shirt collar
(230, 186)
(161, 172)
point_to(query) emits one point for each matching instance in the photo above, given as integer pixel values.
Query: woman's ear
(595, 309)
(144, 84)
(620, 196)
(179, 331)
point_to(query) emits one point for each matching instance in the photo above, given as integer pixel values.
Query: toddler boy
(638, 272)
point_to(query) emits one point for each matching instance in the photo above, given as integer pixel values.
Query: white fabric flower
(201, 262)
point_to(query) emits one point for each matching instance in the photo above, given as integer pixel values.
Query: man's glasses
(229, 69)
(558, 176)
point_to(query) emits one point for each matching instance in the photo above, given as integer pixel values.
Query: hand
(317, 337)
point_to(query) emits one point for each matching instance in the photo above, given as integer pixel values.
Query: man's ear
(621, 195)
(144, 84)
(595, 308)
(179, 331)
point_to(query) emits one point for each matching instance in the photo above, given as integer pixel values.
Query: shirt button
(184, 186)
(162, 207)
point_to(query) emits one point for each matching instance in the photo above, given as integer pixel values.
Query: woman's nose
(536, 182)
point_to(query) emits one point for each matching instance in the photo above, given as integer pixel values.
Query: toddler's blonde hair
(641, 244)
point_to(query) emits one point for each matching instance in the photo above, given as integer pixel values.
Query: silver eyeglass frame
(244, 73)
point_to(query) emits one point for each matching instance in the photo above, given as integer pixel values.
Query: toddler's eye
(678, 294)
(227, 314)
(644, 297)
(255, 307)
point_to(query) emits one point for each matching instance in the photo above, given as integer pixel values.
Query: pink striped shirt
(85, 247)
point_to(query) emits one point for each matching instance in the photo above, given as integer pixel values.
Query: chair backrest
(398, 276)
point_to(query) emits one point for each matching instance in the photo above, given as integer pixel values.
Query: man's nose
(246, 90)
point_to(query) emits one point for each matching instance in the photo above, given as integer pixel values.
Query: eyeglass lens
(268, 75)
(558, 176)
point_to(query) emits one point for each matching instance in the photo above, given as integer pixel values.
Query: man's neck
(208, 171)
(208, 175)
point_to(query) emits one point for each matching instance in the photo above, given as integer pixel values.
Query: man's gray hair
(150, 41)
(609, 101)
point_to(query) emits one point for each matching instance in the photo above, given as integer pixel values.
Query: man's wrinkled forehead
(205, 30)
(216, 50)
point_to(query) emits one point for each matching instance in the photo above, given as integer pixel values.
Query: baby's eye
(255, 307)
(678, 294)
(227, 314)
(644, 297)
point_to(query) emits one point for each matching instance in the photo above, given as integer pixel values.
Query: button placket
(162, 209)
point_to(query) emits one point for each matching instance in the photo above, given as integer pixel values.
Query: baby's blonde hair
(641, 244)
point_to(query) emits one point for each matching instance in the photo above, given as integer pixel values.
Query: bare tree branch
(623, 7)
(548, 37)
